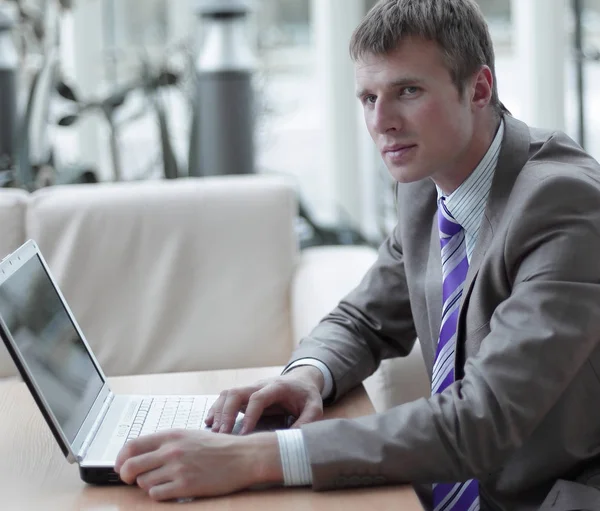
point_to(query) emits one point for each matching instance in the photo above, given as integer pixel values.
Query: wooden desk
(34, 474)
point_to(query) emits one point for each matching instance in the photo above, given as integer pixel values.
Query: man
(493, 265)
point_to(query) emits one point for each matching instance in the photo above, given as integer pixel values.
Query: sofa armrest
(323, 277)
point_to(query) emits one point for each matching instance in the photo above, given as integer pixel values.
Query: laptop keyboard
(171, 412)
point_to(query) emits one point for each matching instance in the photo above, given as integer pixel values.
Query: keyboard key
(172, 412)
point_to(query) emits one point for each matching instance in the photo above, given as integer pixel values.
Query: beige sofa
(191, 274)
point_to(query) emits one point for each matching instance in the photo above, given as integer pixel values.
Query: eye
(369, 99)
(409, 91)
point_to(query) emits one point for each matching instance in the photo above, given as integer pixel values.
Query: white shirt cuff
(294, 458)
(327, 376)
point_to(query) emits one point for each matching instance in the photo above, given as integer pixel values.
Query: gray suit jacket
(526, 412)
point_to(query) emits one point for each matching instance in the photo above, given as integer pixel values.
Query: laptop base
(99, 476)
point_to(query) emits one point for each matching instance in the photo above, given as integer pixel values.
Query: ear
(481, 92)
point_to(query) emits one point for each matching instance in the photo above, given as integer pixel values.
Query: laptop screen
(53, 351)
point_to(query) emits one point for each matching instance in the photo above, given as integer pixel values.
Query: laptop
(90, 423)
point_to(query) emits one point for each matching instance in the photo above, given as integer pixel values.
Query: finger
(257, 403)
(273, 410)
(156, 477)
(168, 491)
(217, 405)
(216, 423)
(213, 417)
(235, 400)
(139, 446)
(313, 411)
(133, 468)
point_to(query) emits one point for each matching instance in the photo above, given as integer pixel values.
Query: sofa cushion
(180, 275)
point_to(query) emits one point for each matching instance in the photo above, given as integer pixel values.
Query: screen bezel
(71, 449)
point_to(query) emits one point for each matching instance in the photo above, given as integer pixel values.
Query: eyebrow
(403, 82)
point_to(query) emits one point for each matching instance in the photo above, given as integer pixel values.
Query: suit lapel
(417, 214)
(433, 292)
(513, 156)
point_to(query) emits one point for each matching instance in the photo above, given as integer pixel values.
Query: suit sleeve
(540, 337)
(373, 322)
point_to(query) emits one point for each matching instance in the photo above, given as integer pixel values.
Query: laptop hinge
(95, 427)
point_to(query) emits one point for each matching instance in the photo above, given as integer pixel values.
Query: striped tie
(451, 496)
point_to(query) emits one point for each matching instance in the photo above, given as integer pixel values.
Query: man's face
(414, 113)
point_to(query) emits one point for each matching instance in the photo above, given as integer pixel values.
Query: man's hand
(297, 393)
(179, 464)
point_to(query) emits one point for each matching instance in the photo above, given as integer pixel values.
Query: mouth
(397, 151)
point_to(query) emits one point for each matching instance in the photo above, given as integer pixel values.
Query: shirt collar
(467, 203)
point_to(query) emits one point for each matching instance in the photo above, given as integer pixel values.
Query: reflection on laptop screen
(48, 342)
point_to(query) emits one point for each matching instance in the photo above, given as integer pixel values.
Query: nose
(385, 119)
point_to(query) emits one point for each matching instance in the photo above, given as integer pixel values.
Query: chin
(406, 174)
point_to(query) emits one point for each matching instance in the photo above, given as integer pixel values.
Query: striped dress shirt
(467, 205)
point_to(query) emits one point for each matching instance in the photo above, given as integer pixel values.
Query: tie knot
(447, 224)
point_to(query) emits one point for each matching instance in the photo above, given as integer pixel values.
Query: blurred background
(119, 90)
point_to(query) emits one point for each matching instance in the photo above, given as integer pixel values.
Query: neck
(483, 136)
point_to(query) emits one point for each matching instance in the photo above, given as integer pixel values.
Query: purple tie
(451, 496)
